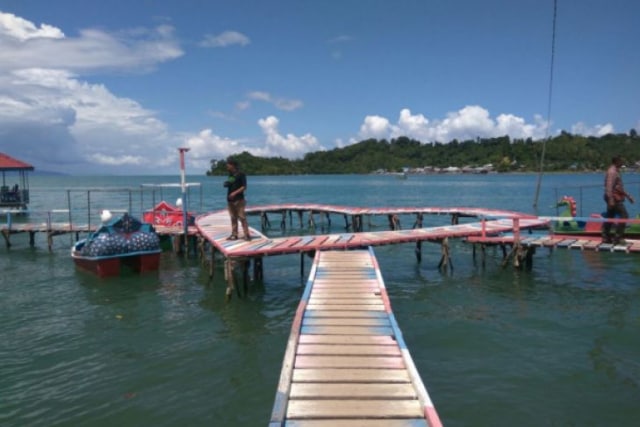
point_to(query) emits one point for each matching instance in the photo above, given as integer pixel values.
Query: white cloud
(467, 123)
(22, 45)
(597, 130)
(21, 29)
(290, 146)
(279, 103)
(340, 39)
(375, 127)
(206, 145)
(49, 117)
(225, 39)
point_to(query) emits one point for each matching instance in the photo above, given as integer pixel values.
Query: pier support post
(228, 274)
(419, 251)
(356, 220)
(7, 240)
(50, 240)
(528, 257)
(394, 222)
(32, 241)
(264, 221)
(212, 262)
(312, 223)
(445, 259)
(201, 244)
(245, 275)
(177, 243)
(258, 274)
(418, 223)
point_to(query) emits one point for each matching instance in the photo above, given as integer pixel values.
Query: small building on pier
(14, 192)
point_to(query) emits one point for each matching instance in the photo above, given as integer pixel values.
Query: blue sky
(115, 87)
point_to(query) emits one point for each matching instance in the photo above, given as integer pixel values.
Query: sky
(116, 87)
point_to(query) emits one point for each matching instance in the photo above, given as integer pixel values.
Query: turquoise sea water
(555, 346)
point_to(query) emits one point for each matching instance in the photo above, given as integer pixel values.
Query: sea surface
(496, 346)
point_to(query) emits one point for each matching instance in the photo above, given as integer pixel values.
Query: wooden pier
(551, 241)
(346, 363)
(51, 229)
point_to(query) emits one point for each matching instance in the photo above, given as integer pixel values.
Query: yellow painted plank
(354, 408)
(362, 422)
(348, 350)
(343, 301)
(352, 391)
(373, 362)
(330, 375)
(348, 339)
(319, 281)
(350, 288)
(344, 313)
(346, 321)
(347, 307)
(346, 330)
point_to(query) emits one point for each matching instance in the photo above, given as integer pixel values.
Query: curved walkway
(215, 228)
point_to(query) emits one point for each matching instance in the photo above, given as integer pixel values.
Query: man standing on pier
(236, 184)
(614, 196)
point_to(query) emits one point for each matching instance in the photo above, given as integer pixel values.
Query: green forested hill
(562, 153)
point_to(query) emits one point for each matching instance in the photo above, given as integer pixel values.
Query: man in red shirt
(614, 196)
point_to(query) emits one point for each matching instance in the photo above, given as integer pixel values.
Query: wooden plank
(346, 287)
(347, 307)
(345, 321)
(363, 422)
(345, 282)
(352, 391)
(344, 301)
(348, 339)
(342, 292)
(346, 330)
(346, 262)
(331, 375)
(304, 409)
(347, 350)
(333, 362)
(309, 314)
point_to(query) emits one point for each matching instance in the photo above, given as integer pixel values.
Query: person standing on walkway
(236, 185)
(614, 196)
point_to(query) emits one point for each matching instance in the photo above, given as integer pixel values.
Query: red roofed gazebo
(14, 193)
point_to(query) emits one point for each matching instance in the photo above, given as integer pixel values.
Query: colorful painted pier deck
(214, 227)
(592, 243)
(346, 363)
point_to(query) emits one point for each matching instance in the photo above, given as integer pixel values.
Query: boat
(14, 193)
(167, 215)
(118, 242)
(574, 226)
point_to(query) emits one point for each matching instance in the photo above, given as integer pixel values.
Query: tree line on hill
(564, 152)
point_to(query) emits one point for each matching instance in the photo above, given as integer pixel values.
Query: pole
(547, 128)
(185, 205)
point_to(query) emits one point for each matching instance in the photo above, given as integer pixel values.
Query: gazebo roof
(8, 163)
